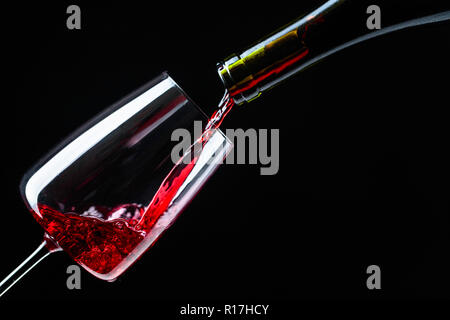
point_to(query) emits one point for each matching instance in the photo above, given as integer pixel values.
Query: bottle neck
(258, 68)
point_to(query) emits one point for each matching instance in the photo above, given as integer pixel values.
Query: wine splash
(101, 238)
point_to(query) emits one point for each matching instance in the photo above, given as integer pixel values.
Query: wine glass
(109, 191)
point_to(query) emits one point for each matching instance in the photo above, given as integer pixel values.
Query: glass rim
(91, 122)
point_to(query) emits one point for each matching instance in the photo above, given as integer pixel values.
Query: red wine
(99, 245)
(224, 107)
(106, 241)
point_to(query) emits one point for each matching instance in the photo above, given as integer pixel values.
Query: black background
(364, 164)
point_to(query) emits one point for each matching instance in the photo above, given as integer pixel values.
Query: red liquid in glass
(106, 241)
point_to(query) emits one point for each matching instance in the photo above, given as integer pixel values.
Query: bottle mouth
(224, 74)
(237, 79)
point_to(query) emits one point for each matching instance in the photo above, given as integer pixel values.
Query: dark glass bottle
(333, 26)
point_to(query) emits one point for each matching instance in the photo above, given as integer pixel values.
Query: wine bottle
(333, 26)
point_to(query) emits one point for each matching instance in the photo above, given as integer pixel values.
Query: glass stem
(29, 263)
